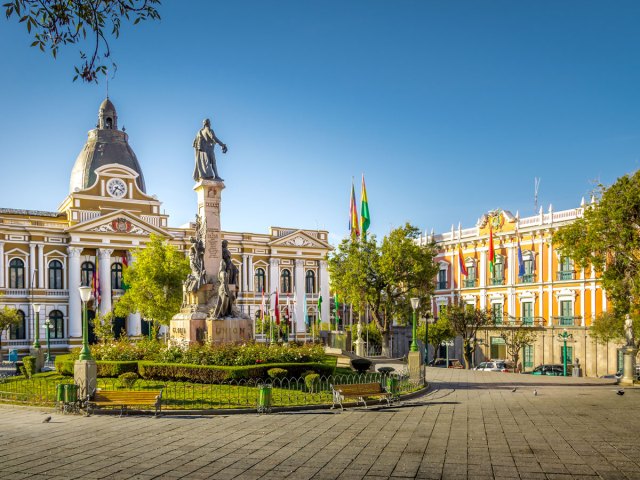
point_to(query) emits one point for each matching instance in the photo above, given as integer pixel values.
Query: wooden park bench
(126, 398)
(360, 391)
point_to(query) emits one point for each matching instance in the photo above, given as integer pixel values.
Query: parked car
(496, 366)
(555, 370)
(442, 363)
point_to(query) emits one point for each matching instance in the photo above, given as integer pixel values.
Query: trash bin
(70, 393)
(392, 385)
(264, 398)
(60, 392)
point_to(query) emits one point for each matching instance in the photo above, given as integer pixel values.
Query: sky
(449, 108)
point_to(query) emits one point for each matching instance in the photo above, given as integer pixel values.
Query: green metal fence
(199, 396)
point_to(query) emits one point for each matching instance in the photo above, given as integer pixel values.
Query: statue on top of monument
(628, 331)
(204, 144)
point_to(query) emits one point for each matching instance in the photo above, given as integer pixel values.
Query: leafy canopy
(465, 321)
(8, 317)
(53, 23)
(439, 331)
(154, 282)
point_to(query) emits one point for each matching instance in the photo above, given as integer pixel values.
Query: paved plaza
(469, 425)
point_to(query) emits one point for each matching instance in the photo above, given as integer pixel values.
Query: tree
(516, 338)
(154, 282)
(439, 331)
(8, 317)
(465, 321)
(53, 23)
(608, 327)
(381, 278)
(607, 238)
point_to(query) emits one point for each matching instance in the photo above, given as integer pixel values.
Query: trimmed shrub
(361, 365)
(311, 381)
(221, 374)
(128, 380)
(29, 363)
(64, 366)
(277, 373)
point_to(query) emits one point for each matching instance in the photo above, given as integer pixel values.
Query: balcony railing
(497, 281)
(469, 282)
(441, 285)
(567, 320)
(511, 321)
(527, 278)
(16, 292)
(566, 275)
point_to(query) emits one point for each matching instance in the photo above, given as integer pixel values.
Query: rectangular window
(569, 355)
(498, 348)
(442, 279)
(529, 276)
(566, 313)
(528, 356)
(496, 313)
(527, 313)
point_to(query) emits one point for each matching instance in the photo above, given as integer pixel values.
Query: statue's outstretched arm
(218, 141)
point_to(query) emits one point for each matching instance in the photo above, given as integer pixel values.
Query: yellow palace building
(550, 294)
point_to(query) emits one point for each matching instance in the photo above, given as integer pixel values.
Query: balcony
(441, 285)
(510, 321)
(469, 282)
(566, 275)
(527, 278)
(16, 292)
(567, 321)
(497, 281)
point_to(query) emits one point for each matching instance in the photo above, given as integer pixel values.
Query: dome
(105, 145)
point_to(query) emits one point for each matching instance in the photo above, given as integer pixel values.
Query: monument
(209, 312)
(629, 352)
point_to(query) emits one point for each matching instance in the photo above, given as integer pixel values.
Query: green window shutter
(528, 356)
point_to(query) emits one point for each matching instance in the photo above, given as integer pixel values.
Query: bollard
(60, 393)
(392, 386)
(264, 398)
(70, 393)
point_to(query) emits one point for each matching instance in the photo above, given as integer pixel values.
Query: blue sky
(450, 108)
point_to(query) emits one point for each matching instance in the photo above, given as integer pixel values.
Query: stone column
(134, 328)
(75, 304)
(31, 281)
(483, 279)
(105, 279)
(245, 273)
(1, 264)
(629, 365)
(209, 193)
(274, 274)
(300, 295)
(250, 274)
(324, 291)
(41, 266)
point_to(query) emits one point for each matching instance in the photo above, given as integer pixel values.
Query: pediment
(299, 238)
(119, 222)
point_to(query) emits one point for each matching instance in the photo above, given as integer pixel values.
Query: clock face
(116, 188)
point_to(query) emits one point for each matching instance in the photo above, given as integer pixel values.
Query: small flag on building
(521, 270)
(492, 253)
(319, 309)
(463, 267)
(95, 287)
(277, 309)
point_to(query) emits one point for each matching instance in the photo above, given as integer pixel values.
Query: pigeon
(47, 419)
(535, 393)
(620, 392)
(514, 389)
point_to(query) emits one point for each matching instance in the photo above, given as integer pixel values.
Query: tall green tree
(55, 23)
(465, 321)
(8, 317)
(382, 278)
(439, 331)
(154, 282)
(516, 338)
(607, 237)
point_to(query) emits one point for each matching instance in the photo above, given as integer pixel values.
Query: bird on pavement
(47, 419)
(620, 392)
(535, 393)
(514, 389)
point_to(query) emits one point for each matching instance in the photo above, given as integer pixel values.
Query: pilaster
(105, 280)
(324, 291)
(75, 304)
(41, 266)
(300, 306)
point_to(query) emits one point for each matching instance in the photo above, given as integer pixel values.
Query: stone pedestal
(188, 328)
(629, 364)
(85, 374)
(209, 193)
(415, 371)
(231, 330)
(38, 354)
(360, 347)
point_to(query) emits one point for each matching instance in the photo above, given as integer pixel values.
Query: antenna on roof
(536, 187)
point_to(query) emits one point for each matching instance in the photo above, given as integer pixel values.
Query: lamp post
(36, 339)
(563, 337)
(47, 324)
(85, 296)
(415, 303)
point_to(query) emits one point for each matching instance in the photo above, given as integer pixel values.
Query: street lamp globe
(415, 303)
(36, 308)
(85, 293)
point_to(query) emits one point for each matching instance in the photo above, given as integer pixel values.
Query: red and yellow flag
(354, 224)
(463, 267)
(492, 253)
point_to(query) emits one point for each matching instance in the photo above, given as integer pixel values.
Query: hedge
(64, 366)
(218, 374)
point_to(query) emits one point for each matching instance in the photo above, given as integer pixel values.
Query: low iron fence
(286, 392)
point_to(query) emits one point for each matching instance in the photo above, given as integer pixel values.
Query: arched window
(18, 331)
(56, 322)
(87, 269)
(16, 273)
(497, 278)
(116, 276)
(259, 280)
(310, 282)
(55, 275)
(285, 281)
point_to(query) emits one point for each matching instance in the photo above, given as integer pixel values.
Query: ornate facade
(45, 256)
(545, 291)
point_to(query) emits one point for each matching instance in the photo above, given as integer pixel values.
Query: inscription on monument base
(234, 330)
